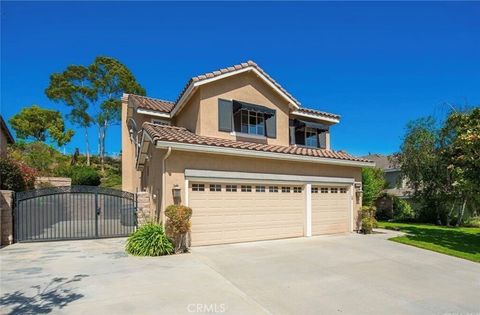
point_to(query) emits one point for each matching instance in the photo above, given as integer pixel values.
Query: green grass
(460, 242)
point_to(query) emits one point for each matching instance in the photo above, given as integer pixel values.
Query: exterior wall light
(176, 191)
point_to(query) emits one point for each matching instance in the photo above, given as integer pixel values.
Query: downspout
(164, 163)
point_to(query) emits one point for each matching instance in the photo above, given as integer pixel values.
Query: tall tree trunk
(102, 134)
(450, 213)
(460, 218)
(87, 145)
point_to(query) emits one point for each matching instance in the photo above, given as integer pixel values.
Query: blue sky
(378, 65)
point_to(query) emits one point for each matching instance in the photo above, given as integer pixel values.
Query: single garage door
(239, 212)
(330, 210)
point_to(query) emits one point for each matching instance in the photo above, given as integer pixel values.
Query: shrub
(16, 175)
(178, 225)
(402, 211)
(368, 219)
(84, 175)
(149, 240)
(472, 222)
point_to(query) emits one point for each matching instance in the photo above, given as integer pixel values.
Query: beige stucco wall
(200, 114)
(178, 161)
(130, 176)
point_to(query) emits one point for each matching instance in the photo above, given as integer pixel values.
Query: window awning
(237, 105)
(314, 125)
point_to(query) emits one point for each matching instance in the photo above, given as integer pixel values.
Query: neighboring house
(5, 137)
(244, 155)
(396, 184)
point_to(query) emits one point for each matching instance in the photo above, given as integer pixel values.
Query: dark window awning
(237, 105)
(314, 125)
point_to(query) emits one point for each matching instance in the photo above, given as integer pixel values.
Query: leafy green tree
(39, 124)
(373, 182)
(94, 93)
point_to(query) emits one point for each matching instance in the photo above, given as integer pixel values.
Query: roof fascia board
(209, 174)
(321, 117)
(153, 113)
(258, 154)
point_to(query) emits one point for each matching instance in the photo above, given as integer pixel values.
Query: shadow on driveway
(53, 296)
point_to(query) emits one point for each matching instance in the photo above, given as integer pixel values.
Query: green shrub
(178, 225)
(149, 240)
(472, 222)
(16, 175)
(368, 219)
(84, 175)
(402, 211)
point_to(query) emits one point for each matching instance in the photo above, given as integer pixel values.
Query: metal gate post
(97, 213)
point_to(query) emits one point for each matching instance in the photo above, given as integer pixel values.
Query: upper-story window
(246, 118)
(249, 121)
(311, 137)
(309, 134)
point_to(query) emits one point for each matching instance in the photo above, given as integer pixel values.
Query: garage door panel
(229, 217)
(330, 211)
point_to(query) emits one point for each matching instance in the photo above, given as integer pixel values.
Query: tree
(40, 123)
(94, 94)
(373, 182)
(441, 164)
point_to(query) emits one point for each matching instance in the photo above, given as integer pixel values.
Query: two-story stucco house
(251, 162)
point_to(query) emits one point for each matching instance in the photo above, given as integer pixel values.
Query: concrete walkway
(349, 274)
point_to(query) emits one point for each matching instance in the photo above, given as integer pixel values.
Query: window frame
(286, 189)
(198, 187)
(260, 189)
(334, 190)
(314, 190)
(273, 189)
(215, 187)
(343, 190)
(246, 126)
(297, 189)
(312, 132)
(324, 190)
(246, 188)
(231, 188)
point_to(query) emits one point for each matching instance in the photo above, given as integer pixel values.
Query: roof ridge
(152, 98)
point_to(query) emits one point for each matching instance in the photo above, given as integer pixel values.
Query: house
(5, 137)
(241, 151)
(396, 184)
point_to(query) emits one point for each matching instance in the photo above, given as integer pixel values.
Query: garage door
(236, 212)
(330, 210)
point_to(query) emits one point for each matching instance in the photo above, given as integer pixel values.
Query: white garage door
(236, 212)
(330, 210)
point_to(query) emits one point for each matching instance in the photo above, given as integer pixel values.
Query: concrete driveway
(349, 274)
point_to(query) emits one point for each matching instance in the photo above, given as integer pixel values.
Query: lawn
(458, 242)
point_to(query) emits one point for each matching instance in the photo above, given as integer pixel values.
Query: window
(285, 189)
(198, 187)
(231, 188)
(297, 190)
(246, 188)
(334, 190)
(251, 122)
(214, 187)
(273, 189)
(260, 188)
(311, 139)
(314, 190)
(324, 190)
(343, 190)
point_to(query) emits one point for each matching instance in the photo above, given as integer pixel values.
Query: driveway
(349, 274)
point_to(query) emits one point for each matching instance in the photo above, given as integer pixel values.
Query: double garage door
(242, 212)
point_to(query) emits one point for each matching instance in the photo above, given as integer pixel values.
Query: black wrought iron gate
(74, 212)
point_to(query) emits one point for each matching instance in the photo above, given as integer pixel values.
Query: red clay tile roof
(167, 106)
(182, 135)
(240, 66)
(152, 103)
